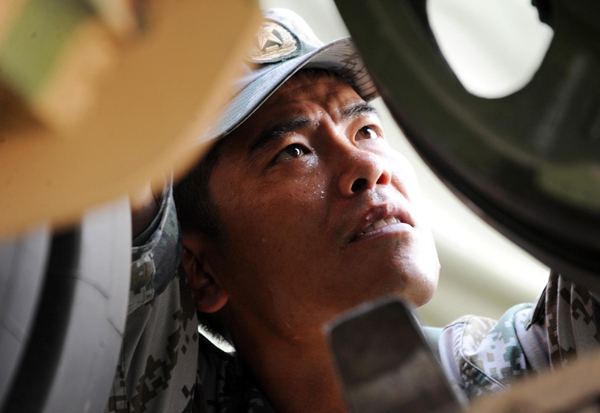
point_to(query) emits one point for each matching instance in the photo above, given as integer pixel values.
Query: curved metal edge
(22, 268)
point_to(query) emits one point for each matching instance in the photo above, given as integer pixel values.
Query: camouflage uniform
(482, 355)
(167, 366)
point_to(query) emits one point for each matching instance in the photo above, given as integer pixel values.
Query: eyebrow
(358, 109)
(275, 132)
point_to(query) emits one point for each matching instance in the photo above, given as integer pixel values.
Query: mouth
(382, 222)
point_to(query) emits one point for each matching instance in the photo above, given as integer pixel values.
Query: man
(301, 211)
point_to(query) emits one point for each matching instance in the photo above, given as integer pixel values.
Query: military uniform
(482, 355)
(167, 366)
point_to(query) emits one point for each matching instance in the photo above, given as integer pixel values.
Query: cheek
(271, 244)
(273, 219)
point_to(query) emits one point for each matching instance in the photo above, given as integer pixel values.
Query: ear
(208, 294)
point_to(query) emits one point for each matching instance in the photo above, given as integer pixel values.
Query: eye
(366, 132)
(291, 152)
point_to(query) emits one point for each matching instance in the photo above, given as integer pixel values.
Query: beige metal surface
(166, 86)
(574, 389)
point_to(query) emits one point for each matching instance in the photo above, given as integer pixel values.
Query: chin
(425, 287)
(409, 276)
(423, 274)
(422, 296)
(417, 286)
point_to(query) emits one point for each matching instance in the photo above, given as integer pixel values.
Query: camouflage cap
(285, 44)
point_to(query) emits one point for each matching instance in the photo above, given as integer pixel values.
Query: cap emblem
(274, 43)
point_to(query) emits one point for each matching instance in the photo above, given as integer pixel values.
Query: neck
(295, 374)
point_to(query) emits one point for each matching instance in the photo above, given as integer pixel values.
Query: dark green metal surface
(530, 162)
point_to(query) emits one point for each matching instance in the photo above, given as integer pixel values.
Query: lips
(381, 223)
(377, 219)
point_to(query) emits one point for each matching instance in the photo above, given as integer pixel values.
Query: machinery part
(180, 68)
(385, 364)
(68, 363)
(529, 162)
(22, 269)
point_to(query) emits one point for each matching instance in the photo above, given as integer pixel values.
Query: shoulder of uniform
(485, 355)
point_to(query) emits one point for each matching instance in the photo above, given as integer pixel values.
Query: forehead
(320, 88)
(305, 94)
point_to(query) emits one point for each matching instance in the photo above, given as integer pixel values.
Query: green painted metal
(31, 50)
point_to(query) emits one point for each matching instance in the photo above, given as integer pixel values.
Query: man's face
(301, 189)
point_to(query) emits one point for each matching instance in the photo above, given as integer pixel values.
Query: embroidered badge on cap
(274, 44)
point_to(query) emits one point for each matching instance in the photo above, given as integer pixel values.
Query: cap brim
(339, 56)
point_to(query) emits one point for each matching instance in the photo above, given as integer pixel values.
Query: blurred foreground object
(573, 389)
(63, 306)
(98, 97)
(385, 364)
(530, 162)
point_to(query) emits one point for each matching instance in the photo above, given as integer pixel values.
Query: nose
(362, 171)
